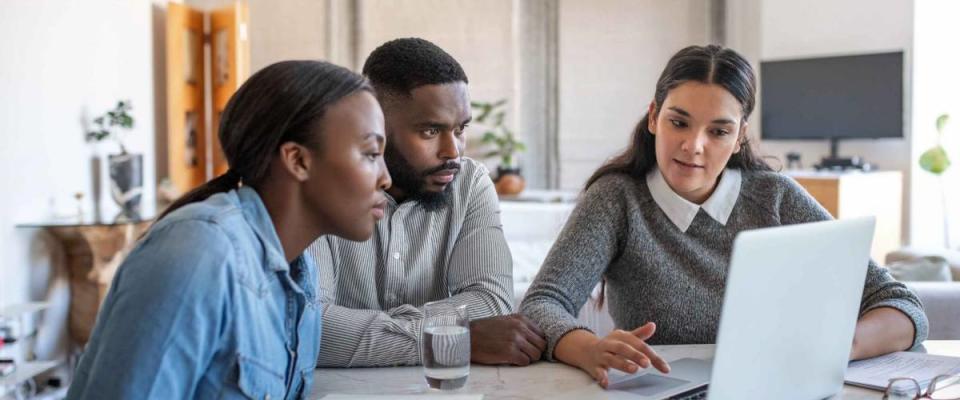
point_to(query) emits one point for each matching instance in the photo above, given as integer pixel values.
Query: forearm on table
(880, 331)
(573, 347)
(483, 302)
(370, 338)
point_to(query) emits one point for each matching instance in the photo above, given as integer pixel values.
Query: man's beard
(413, 183)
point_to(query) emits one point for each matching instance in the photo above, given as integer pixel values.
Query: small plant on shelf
(111, 125)
(503, 144)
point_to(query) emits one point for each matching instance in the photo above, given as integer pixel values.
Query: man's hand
(509, 339)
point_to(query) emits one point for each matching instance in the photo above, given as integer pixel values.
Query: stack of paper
(875, 373)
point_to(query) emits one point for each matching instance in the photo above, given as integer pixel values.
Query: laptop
(789, 311)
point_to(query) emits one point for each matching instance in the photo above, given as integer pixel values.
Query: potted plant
(126, 169)
(504, 145)
(936, 161)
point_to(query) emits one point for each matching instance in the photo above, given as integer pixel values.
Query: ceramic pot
(509, 182)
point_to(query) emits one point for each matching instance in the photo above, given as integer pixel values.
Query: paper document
(875, 373)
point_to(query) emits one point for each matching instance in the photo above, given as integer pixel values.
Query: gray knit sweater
(655, 272)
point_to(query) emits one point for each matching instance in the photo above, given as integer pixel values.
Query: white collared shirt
(681, 211)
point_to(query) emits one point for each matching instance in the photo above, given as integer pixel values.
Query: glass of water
(446, 345)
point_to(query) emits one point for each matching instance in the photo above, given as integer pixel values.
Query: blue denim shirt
(206, 307)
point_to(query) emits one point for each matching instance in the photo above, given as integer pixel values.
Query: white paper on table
(875, 373)
(436, 396)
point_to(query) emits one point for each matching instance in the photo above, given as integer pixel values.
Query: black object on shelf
(836, 163)
(843, 164)
(793, 160)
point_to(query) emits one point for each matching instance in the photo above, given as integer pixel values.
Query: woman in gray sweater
(656, 224)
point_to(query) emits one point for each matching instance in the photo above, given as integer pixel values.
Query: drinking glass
(446, 345)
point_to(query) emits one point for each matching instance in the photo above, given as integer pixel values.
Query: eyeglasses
(909, 389)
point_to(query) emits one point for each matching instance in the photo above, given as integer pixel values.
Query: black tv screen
(857, 96)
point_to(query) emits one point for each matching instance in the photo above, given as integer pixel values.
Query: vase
(126, 184)
(509, 182)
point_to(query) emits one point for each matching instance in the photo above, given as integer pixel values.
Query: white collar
(681, 212)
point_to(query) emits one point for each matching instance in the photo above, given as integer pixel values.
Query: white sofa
(530, 229)
(941, 300)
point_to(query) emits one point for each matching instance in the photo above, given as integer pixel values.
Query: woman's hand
(622, 350)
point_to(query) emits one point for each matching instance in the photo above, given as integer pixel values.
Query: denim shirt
(206, 307)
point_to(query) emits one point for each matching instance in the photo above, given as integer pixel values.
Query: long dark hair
(280, 103)
(709, 64)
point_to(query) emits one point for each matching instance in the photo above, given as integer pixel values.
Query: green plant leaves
(117, 117)
(942, 122)
(484, 109)
(503, 142)
(935, 160)
(96, 136)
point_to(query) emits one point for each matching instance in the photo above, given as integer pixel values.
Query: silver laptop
(789, 311)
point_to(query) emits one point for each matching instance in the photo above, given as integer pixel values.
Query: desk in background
(856, 194)
(543, 380)
(93, 250)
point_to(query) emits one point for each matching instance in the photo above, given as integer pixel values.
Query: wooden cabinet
(856, 194)
(198, 85)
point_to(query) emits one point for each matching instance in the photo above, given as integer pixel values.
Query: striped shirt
(373, 291)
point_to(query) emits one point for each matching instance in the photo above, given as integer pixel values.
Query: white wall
(784, 29)
(64, 61)
(478, 34)
(936, 90)
(280, 30)
(600, 64)
(611, 54)
(302, 36)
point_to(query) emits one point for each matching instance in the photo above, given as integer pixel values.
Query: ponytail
(223, 183)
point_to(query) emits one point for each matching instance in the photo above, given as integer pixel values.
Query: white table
(538, 381)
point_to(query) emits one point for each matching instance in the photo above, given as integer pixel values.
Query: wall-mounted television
(845, 97)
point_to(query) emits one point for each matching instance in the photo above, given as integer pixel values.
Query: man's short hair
(401, 65)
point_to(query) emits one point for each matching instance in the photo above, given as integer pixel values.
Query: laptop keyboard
(699, 393)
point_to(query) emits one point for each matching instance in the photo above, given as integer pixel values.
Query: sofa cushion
(952, 257)
(941, 302)
(923, 269)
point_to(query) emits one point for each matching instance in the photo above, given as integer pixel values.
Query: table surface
(540, 380)
(75, 222)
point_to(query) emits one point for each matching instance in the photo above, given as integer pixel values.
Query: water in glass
(446, 345)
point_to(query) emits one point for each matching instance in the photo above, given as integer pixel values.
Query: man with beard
(441, 236)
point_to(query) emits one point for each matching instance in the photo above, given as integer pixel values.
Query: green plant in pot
(503, 145)
(936, 161)
(126, 169)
